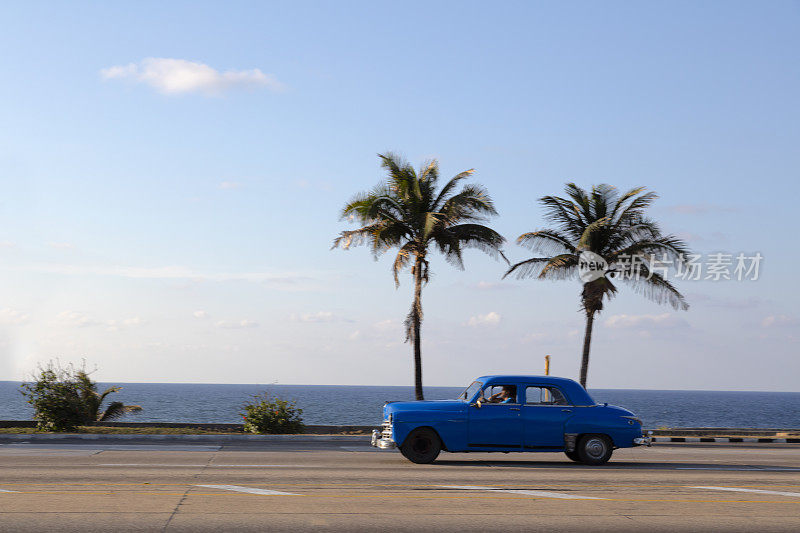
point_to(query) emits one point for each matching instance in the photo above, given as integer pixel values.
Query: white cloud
(234, 324)
(386, 325)
(13, 317)
(779, 321)
(319, 316)
(230, 185)
(489, 319)
(666, 320)
(354, 336)
(200, 314)
(7, 244)
(74, 319)
(179, 76)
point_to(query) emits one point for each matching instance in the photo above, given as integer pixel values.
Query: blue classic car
(511, 414)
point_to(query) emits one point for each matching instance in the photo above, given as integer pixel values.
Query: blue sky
(172, 176)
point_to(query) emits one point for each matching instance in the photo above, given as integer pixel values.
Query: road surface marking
(202, 465)
(99, 447)
(1, 490)
(540, 493)
(757, 491)
(249, 490)
(742, 469)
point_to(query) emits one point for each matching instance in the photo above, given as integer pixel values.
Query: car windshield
(470, 391)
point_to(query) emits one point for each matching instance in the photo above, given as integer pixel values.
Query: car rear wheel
(573, 455)
(594, 449)
(422, 446)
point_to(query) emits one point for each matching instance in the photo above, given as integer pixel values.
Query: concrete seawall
(313, 432)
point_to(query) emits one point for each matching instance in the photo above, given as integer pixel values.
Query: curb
(201, 438)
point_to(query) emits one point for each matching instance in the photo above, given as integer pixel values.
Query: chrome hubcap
(595, 448)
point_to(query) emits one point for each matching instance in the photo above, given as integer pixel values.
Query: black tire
(422, 446)
(573, 455)
(594, 449)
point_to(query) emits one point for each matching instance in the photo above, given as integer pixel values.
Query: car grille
(386, 432)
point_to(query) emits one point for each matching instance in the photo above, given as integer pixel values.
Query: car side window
(500, 394)
(544, 396)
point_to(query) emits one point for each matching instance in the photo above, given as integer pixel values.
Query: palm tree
(91, 401)
(614, 227)
(407, 212)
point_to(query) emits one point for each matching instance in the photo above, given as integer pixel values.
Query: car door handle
(566, 410)
(513, 408)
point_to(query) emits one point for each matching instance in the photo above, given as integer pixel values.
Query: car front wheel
(594, 449)
(422, 446)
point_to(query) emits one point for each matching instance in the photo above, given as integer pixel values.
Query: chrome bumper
(382, 443)
(644, 440)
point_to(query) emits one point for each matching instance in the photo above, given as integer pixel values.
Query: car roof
(572, 388)
(537, 379)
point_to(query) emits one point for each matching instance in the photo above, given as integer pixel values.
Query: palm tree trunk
(417, 318)
(587, 341)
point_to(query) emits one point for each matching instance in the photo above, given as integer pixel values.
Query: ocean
(361, 405)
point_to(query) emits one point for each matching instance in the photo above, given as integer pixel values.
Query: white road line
(540, 493)
(742, 469)
(149, 464)
(209, 466)
(1, 490)
(249, 490)
(260, 466)
(757, 491)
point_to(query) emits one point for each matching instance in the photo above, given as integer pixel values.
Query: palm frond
(429, 172)
(620, 202)
(110, 390)
(668, 245)
(634, 211)
(471, 203)
(546, 241)
(565, 214)
(581, 202)
(625, 235)
(557, 267)
(653, 286)
(448, 188)
(562, 266)
(116, 410)
(602, 198)
(355, 237)
(475, 236)
(402, 260)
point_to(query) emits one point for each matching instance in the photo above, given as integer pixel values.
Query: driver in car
(507, 395)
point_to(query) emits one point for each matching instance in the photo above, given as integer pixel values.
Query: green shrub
(268, 414)
(64, 398)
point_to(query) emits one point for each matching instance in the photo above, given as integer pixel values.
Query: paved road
(346, 486)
